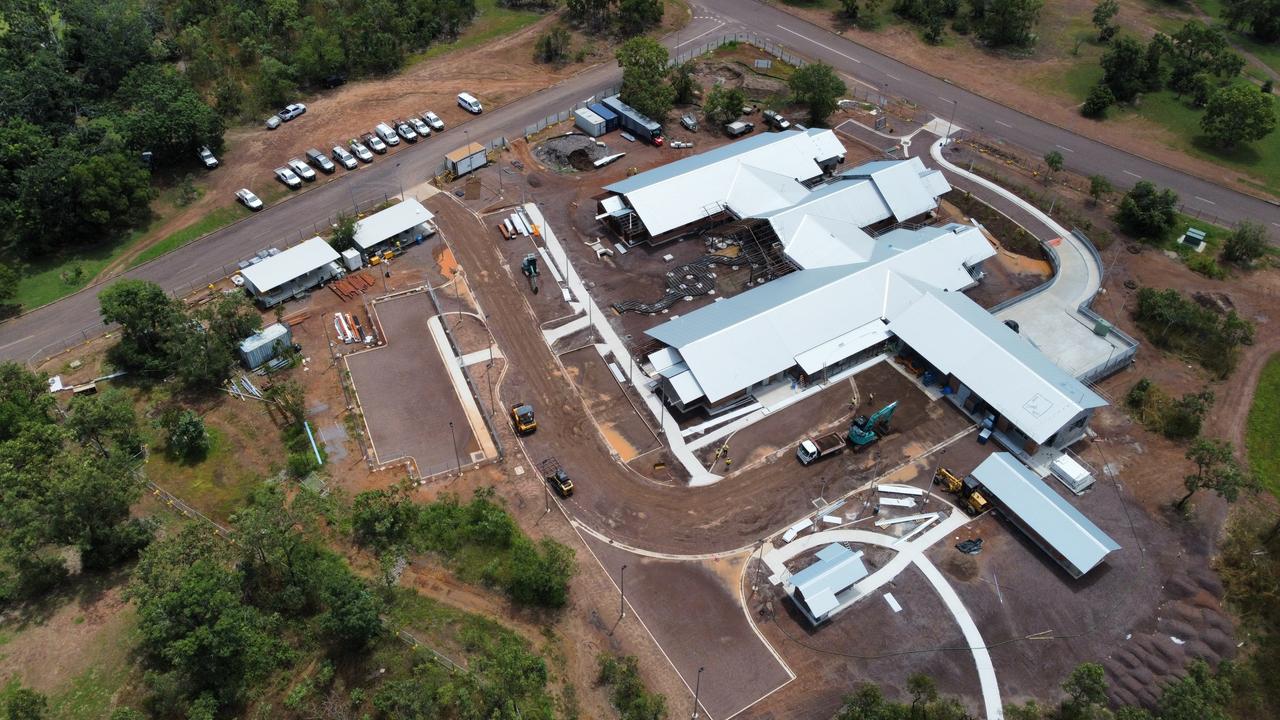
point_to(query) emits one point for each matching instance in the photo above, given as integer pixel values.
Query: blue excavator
(865, 431)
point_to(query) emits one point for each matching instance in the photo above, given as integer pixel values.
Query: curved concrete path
(1050, 316)
(909, 553)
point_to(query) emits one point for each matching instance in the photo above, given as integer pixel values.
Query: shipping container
(610, 117)
(262, 347)
(589, 122)
(634, 122)
(467, 158)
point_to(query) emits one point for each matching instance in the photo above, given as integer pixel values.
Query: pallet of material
(908, 518)
(897, 502)
(900, 490)
(297, 318)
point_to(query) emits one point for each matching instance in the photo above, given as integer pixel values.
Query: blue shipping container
(609, 116)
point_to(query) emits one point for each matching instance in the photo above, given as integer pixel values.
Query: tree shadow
(84, 589)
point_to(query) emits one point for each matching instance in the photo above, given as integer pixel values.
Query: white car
(375, 143)
(387, 134)
(286, 176)
(344, 158)
(433, 120)
(302, 169)
(404, 130)
(207, 157)
(251, 201)
(360, 151)
(292, 111)
(419, 126)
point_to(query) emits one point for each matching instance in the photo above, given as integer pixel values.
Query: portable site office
(291, 273)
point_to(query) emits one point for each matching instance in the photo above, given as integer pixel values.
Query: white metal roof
(266, 336)
(1001, 366)
(686, 386)
(818, 359)
(681, 192)
(293, 263)
(907, 186)
(1065, 529)
(837, 569)
(737, 342)
(390, 222)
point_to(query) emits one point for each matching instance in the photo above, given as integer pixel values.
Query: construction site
(785, 375)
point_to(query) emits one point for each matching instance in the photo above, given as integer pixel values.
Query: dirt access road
(617, 501)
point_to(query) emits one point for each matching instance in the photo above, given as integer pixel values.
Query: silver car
(360, 150)
(433, 120)
(344, 158)
(286, 176)
(251, 201)
(419, 126)
(302, 169)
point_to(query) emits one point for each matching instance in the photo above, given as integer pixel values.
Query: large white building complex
(868, 267)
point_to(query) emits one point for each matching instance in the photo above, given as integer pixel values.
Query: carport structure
(1048, 520)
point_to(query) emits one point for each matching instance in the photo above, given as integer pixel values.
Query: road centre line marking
(1205, 200)
(825, 47)
(893, 77)
(1063, 147)
(15, 342)
(1001, 122)
(1126, 172)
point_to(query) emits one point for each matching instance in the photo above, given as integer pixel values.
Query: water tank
(1101, 328)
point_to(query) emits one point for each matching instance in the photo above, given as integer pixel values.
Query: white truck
(813, 449)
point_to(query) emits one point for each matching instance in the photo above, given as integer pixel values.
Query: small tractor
(529, 268)
(865, 431)
(554, 474)
(968, 491)
(522, 420)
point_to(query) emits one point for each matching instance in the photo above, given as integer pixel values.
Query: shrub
(1206, 266)
(1245, 244)
(1147, 212)
(1176, 419)
(1176, 323)
(188, 440)
(1099, 101)
(628, 694)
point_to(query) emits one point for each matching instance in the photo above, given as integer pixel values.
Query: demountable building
(292, 272)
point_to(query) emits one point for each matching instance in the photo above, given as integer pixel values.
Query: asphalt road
(47, 329)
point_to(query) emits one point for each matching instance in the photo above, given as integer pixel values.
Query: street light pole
(399, 182)
(954, 104)
(622, 593)
(456, 458)
(697, 690)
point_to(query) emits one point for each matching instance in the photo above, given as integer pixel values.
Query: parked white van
(387, 134)
(469, 103)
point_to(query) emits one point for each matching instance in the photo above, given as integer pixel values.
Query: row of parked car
(361, 149)
(358, 149)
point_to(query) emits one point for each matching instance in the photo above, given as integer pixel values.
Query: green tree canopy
(164, 114)
(1260, 17)
(644, 72)
(1122, 66)
(1238, 114)
(1148, 212)
(637, 16)
(1246, 243)
(817, 86)
(723, 105)
(1010, 23)
(1216, 469)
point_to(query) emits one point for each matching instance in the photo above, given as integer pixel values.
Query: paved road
(42, 331)
(974, 111)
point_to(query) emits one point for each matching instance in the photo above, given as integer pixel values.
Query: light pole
(697, 691)
(456, 458)
(399, 182)
(622, 593)
(954, 104)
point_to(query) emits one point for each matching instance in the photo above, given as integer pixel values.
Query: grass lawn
(89, 695)
(245, 448)
(492, 21)
(1262, 436)
(218, 218)
(1268, 54)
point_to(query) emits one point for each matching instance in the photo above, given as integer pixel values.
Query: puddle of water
(618, 443)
